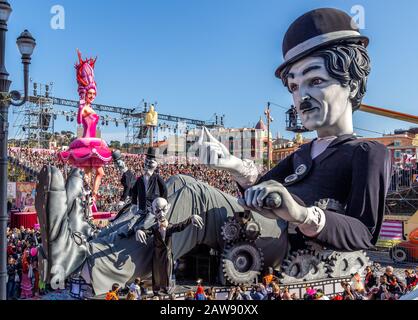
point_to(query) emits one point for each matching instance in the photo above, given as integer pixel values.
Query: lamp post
(26, 44)
(269, 120)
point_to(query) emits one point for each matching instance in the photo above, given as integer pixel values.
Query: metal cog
(252, 230)
(303, 265)
(231, 230)
(343, 264)
(242, 263)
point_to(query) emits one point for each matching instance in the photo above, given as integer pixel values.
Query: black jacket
(128, 182)
(162, 258)
(356, 173)
(156, 188)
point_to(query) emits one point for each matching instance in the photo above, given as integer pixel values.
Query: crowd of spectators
(23, 281)
(370, 286)
(111, 188)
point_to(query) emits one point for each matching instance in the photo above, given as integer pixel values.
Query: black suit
(156, 188)
(162, 258)
(128, 182)
(356, 173)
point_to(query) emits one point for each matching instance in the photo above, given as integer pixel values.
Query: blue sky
(200, 57)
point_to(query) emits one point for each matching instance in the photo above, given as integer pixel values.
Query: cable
(369, 130)
(278, 105)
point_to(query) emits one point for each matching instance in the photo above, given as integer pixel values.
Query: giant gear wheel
(231, 230)
(242, 263)
(343, 264)
(303, 265)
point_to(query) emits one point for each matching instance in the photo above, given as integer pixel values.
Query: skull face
(120, 165)
(150, 165)
(160, 208)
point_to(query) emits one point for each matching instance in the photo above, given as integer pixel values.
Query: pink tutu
(87, 152)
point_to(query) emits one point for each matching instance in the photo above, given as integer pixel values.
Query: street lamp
(5, 11)
(26, 44)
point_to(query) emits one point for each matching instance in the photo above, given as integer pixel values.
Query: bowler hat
(116, 155)
(316, 29)
(152, 153)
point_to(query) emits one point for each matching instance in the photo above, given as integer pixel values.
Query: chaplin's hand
(289, 210)
(214, 154)
(197, 221)
(141, 236)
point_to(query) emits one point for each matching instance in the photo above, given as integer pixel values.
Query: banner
(11, 190)
(25, 195)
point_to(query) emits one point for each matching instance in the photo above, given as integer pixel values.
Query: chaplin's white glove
(289, 210)
(215, 155)
(141, 236)
(197, 221)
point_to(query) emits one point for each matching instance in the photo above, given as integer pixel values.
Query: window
(397, 143)
(231, 145)
(397, 154)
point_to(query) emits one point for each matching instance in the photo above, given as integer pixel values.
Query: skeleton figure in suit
(162, 231)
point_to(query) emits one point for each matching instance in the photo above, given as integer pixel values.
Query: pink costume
(87, 151)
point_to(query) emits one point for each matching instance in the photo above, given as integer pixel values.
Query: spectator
(286, 295)
(411, 279)
(242, 290)
(210, 294)
(200, 293)
(26, 284)
(309, 293)
(275, 294)
(131, 296)
(370, 279)
(114, 293)
(234, 294)
(320, 295)
(136, 289)
(12, 276)
(347, 293)
(383, 292)
(269, 277)
(356, 283)
(396, 287)
(189, 295)
(258, 292)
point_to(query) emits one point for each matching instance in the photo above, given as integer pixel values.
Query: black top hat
(316, 29)
(116, 155)
(152, 153)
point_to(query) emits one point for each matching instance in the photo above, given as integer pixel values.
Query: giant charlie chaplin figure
(333, 189)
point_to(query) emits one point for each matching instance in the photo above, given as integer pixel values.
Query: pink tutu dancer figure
(26, 283)
(88, 152)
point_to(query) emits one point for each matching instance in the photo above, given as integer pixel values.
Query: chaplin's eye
(317, 81)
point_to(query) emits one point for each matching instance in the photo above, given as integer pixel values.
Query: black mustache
(305, 105)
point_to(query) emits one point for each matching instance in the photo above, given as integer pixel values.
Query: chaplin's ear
(168, 206)
(354, 87)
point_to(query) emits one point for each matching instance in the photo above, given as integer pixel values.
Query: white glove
(197, 221)
(141, 236)
(289, 210)
(121, 204)
(215, 155)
